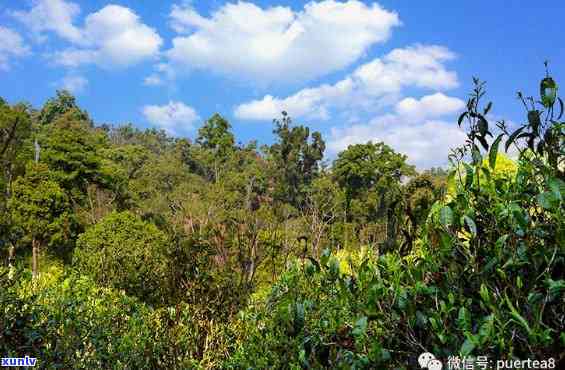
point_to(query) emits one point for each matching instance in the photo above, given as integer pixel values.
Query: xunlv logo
(18, 361)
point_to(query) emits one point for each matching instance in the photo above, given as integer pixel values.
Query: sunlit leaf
(494, 151)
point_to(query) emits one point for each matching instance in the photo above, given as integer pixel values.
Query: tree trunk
(11, 254)
(35, 252)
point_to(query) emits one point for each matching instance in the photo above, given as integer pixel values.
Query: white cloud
(153, 80)
(426, 143)
(112, 36)
(277, 44)
(163, 72)
(428, 106)
(11, 45)
(174, 117)
(74, 57)
(370, 87)
(73, 83)
(51, 15)
(119, 37)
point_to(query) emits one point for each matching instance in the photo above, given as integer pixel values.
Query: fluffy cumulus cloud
(51, 15)
(112, 36)
(414, 128)
(11, 46)
(174, 117)
(435, 105)
(426, 144)
(371, 86)
(422, 128)
(277, 44)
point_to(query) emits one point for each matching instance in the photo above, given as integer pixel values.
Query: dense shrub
(64, 320)
(67, 321)
(125, 252)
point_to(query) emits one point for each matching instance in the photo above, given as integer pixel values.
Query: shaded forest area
(128, 248)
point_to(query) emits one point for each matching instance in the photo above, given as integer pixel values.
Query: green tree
(40, 208)
(125, 252)
(215, 134)
(15, 128)
(63, 103)
(419, 195)
(70, 147)
(216, 144)
(295, 160)
(364, 167)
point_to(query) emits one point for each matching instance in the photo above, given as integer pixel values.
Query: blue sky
(392, 71)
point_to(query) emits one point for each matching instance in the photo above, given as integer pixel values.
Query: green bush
(68, 321)
(65, 320)
(125, 252)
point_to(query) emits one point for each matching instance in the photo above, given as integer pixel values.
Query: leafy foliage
(124, 252)
(212, 254)
(294, 159)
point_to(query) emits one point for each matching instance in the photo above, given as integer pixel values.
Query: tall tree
(70, 147)
(218, 144)
(41, 209)
(419, 194)
(370, 175)
(63, 103)
(15, 127)
(295, 159)
(216, 134)
(360, 167)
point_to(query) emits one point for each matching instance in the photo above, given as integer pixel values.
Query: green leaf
(469, 175)
(334, 266)
(534, 297)
(461, 118)
(494, 151)
(467, 347)
(360, 326)
(325, 257)
(434, 323)
(484, 293)
(483, 142)
(488, 108)
(501, 242)
(476, 155)
(548, 89)
(555, 287)
(512, 137)
(485, 331)
(546, 199)
(470, 224)
(446, 216)
(534, 120)
(421, 319)
(557, 187)
(486, 171)
(314, 263)
(445, 241)
(483, 126)
(516, 316)
(464, 319)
